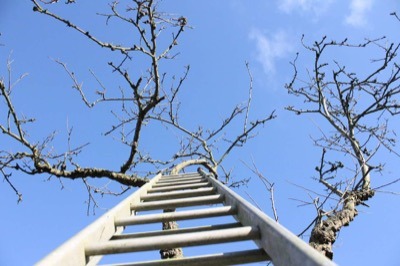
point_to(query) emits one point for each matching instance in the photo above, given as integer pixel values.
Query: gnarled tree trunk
(324, 234)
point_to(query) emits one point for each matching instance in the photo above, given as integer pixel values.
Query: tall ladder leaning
(105, 235)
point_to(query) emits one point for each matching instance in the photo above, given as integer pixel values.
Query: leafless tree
(145, 96)
(358, 109)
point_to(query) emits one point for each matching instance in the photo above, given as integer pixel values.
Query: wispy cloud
(271, 48)
(314, 6)
(358, 10)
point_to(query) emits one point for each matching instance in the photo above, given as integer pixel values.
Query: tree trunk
(324, 233)
(172, 253)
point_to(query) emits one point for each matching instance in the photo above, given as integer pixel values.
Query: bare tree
(145, 96)
(358, 109)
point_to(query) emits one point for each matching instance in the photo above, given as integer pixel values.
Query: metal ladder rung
(187, 175)
(177, 183)
(178, 194)
(172, 180)
(177, 203)
(177, 231)
(179, 187)
(172, 241)
(176, 216)
(221, 259)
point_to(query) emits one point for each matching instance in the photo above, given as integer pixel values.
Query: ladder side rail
(72, 252)
(279, 243)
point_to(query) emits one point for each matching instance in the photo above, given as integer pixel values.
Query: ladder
(106, 235)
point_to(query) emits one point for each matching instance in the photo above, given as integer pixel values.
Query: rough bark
(170, 253)
(324, 235)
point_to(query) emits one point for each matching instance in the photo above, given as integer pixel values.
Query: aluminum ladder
(106, 235)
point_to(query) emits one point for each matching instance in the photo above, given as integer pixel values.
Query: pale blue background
(225, 34)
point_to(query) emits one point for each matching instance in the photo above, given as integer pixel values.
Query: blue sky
(225, 34)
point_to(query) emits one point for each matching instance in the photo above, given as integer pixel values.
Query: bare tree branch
(268, 186)
(138, 97)
(358, 108)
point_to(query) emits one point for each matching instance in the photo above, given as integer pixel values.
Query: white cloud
(270, 49)
(315, 6)
(358, 10)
